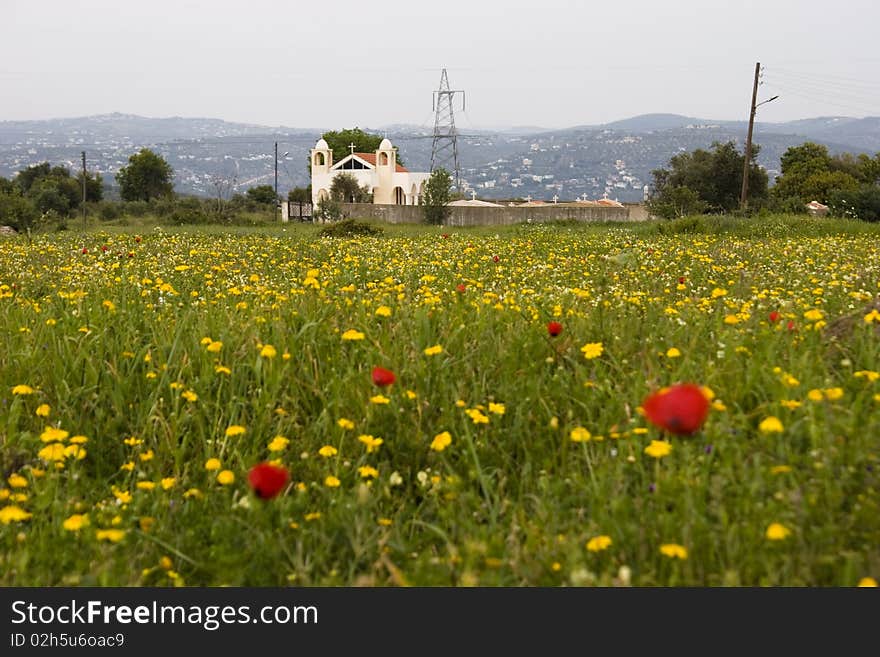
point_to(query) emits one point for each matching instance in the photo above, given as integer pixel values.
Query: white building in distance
(390, 183)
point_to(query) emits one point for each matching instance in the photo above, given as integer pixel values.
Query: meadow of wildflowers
(541, 406)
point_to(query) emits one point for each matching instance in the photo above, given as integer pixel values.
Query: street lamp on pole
(748, 154)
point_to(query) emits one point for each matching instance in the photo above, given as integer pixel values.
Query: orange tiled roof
(371, 159)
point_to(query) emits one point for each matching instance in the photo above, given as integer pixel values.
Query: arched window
(383, 159)
(319, 159)
(398, 195)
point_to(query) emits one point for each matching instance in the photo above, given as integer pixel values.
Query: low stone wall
(465, 216)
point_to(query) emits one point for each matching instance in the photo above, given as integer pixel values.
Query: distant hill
(209, 155)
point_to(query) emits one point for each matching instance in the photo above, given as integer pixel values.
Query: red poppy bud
(383, 377)
(681, 280)
(790, 326)
(774, 316)
(85, 250)
(495, 258)
(460, 287)
(680, 409)
(554, 328)
(267, 480)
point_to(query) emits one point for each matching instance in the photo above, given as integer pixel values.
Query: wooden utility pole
(84, 189)
(276, 181)
(745, 187)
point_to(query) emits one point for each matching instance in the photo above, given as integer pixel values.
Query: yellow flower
(205, 341)
(193, 492)
(278, 444)
(22, 389)
(368, 471)
(433, 351)
(777, 532)
(867, 374)
(53, 434)
(592, 350)
(815, 395)
(498, 409)
(52, 452)
(384, 522)
(314, 515)
(718, 292)
(331, 482)
(17, 481)
(168, 482)
(146, 456)
(383, 311)
(13, 513)
(327, 451)
(658, 449)
(379, 399)
(43, 410)
(580, 435)
(674, 551)
(460, 403)
(132, 441)
(75, 522)
(235, 430)
(441, 441)
(599, 543)
(476, 416)
(833, 394)
(145, 485)
(770, 425)
(214, 347)
(872, 316)
(731, 319)
(867, 582)
(672, 352)
(371, 443)
(122, 496)
(79, 440)
(189, 395)
(351, 334)
(790, 404)
(212, 464)
(225, 477)
(222, 369)
(411, 394)
(345, 423)
(112, 535)
(780, 469)
(814, 315)
(268, 351)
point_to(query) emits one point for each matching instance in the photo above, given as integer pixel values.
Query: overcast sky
(341, 63)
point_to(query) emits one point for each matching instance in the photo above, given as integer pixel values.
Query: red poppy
(774, 316)
(680, 409)
(104, 249)
(267, 480)
(495, 258)
(460, 287)
(137, 239)
(445, 235)
(681, 280)
(383, 377)
(790, 326)
(554, 328)
(85, 250)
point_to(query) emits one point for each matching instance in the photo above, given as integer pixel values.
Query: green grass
(111, 342)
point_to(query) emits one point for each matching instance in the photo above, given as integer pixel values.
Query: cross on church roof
(352, 147)
(473, 195)
(529, 198)
(555, 198)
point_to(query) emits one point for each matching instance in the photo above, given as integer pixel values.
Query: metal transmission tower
(444, 149)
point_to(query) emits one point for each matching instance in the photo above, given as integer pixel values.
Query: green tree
(17, 211)
(53, 188)
(147, 175)
(677, 202)
(94, 186)
(715, 177)
(263, 194)
(435, 200)
(364, 142)
(300, 194)
(809, 173)
(345, 189)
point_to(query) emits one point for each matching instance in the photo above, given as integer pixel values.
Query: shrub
(350, 228)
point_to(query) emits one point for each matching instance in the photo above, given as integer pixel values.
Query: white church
(390, 183)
